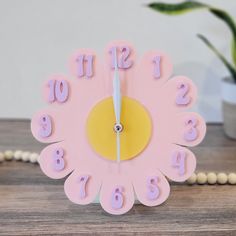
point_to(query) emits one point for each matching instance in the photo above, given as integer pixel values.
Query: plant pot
(229, 106)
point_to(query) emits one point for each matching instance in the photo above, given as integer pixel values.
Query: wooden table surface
(33, 204)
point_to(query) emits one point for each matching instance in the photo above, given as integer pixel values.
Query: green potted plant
(229, 82)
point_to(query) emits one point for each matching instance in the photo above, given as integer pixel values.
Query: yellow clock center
(135, 134)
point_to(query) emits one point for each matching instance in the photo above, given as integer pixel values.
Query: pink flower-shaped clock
(118, 128)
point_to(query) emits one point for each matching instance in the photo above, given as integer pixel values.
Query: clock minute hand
(116, 92)
(117, 107)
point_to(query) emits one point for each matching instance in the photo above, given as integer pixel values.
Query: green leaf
(175, 9)
(234, 51)
(229, 21)
(231, 69)
(187, 6)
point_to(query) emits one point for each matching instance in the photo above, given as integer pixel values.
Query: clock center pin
(118, 128)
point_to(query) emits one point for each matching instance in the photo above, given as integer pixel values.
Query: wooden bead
(25, 156)
(8, 155)
(18, 155)
(201, 178)
(192, 179)
(232, 178)
(211, 178)
(33, 157)
(222, 178)
(1, 157)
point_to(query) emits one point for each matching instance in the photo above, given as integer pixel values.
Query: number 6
(117, 199)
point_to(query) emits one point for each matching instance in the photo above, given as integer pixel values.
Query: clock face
(118, 127)
(135, 134)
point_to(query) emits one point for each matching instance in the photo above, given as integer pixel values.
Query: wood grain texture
(32, 204)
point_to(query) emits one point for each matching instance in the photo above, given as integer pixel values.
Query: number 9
(45, 126)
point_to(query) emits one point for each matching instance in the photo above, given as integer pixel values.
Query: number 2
(85, 61)
(153, 190)
(178, 161)
(123, 62)
(182, 96)
(117, 199)
(83, 180)
(192, 132)
(58, 89)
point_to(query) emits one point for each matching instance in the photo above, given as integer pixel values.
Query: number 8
(58, 160)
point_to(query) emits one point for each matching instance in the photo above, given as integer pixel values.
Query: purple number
(45, 126)
(192, 132)
(58, 89)
(123, 62)
(85, 60)
(58, 160)
(117, 200)
(83, 179)
(178, 161)
(51, 84)
(157, 71)
(153, 190)
(182, 98)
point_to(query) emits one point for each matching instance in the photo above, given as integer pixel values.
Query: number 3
(192, 133)
(117, 199)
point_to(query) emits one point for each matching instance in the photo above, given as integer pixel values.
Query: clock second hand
(117, 106)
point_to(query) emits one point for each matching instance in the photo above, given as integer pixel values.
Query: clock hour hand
(117, 107)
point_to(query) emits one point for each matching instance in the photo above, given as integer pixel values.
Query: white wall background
(38, 36)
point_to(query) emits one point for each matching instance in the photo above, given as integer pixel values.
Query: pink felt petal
(176, 97)
(145, 86)
(50, 163)
(176, 162)
(126, 76)
(82, 186)
(182, 126)
(109, 185)
(152, 195)
(52, 122)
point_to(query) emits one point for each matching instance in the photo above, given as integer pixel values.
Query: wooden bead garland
(212, 178)
(197, 178)
(19, 155)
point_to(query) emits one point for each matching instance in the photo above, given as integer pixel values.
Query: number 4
(178, 161)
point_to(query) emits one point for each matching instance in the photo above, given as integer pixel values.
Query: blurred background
(37, 37)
